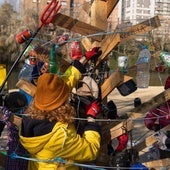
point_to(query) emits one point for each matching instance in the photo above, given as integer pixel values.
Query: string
(60, 160)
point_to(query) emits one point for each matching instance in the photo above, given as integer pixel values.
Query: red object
(49, 12)
(63, 39)
(160, 68)
(158, 116)
(93, 109)
(91, 53)
(167, 83)
(75, 50)
(123, 139)
(23, 36)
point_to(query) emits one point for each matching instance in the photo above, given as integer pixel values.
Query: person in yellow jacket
(49, 132)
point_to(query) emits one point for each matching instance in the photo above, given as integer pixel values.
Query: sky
(13, 2)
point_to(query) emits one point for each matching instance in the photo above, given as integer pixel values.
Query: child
(49, 131)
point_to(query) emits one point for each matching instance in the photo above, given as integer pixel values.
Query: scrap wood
(121, 128)
(99, 14)
(140, 28)
(151, 104)
(158, 164)
(77, 26)
(86, 43)
(149, 140)
(107, 45)
(113, 129)
(110, 83)
(111, 4)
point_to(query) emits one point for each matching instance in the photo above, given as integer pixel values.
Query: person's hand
(93, 52)
(93, 109)
(161, 138)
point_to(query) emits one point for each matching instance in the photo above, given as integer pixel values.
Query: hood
(35, 134)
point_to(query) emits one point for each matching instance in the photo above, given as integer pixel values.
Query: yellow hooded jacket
(62, 141)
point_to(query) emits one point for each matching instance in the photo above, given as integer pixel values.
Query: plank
(140, 28)
(99, 14)
(149, 140)
(111, 41)
(86, 43)
(151, 104)
(157, 164)
(110, 83)
(121, 128)
(111, 4)
(107, 46)
(77, 26)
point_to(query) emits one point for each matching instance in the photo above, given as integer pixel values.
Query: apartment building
(136, 11)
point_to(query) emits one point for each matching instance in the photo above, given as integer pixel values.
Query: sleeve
(75, 147)
(73, 74)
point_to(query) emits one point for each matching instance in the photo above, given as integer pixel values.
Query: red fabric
(123, 139)
(93, 109)
(167, 83)
(91, 53)
(159, 115)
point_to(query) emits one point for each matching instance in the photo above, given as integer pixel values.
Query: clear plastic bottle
(26, 71)
(143, 68)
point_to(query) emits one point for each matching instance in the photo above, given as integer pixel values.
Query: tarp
(2, 73)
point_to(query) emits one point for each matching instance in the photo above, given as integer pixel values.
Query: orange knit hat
(51, 92)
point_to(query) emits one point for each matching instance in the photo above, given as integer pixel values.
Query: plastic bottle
(165, 58)
(23, 36)
(53, 63)
(26, 71)
(143, 68)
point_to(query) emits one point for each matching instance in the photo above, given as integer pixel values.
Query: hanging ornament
(23, 36)
(75, 51)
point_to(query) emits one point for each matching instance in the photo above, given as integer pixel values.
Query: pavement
(125, 104)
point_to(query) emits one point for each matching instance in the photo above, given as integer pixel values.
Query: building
(136, 11)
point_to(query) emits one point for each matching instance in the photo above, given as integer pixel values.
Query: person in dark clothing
(14, 103)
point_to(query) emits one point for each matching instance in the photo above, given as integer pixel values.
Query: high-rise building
(136, 11)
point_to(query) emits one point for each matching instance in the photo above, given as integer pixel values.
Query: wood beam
(157, 164)
(121, 128)
(113, 40)
(77, 26)
(140, 28)
(107, 46)
(149, 140)
(99, 14)
(111, 4)
(110, 83)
